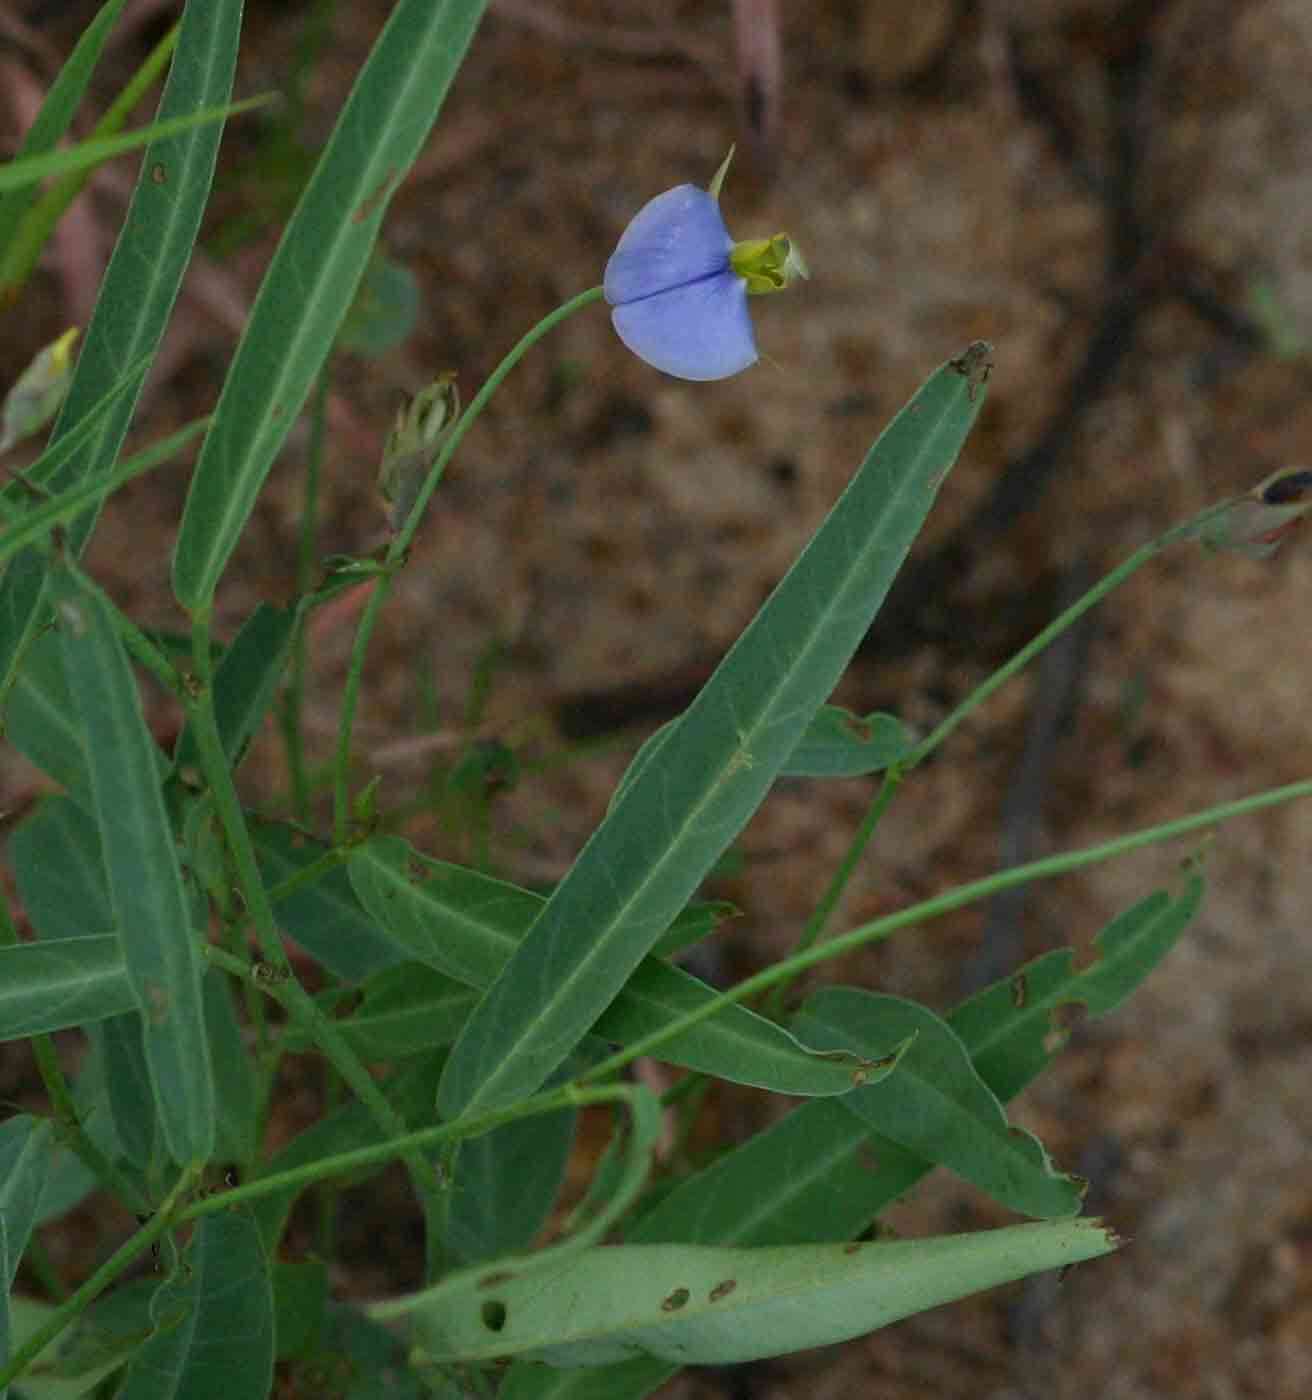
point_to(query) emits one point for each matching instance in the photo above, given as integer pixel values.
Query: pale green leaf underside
(710, 1306)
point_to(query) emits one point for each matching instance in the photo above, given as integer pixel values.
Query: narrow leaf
(139, 287)
(314, 273)
(26, 1153)
(715, 1306)
(60, 871)
(681, 811)
(936, 1105)
(839, 744)
(214, 1321)
(818, 1175)
(236, 1093)
(1012, 1027)
(130, 1098)
(469, 926)
(506, 1183)
(42, 722)
(48, 987)
(151, 911)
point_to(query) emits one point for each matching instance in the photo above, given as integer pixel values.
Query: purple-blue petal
(677, 237)
(702, 330)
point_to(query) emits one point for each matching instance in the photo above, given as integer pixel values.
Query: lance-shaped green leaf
(1013, 1027)
(685, 806)
(214, 1321)
(936, 1105)
(312, 279)
(819, 1175)
(839, 744)
(42, 722)
(506, 1183)
(129, 1096)
(151, 911)
(60, 871)
(139, 287)
(714, 1306)
(236, 1092)
(469, 926)
(26, 1152)
(48, 987)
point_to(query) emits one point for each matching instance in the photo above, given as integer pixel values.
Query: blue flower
(679, 285)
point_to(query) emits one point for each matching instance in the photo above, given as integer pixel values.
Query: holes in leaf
(494, 1315)
(675, 1301)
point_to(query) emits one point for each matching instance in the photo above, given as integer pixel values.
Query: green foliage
(463, 1025)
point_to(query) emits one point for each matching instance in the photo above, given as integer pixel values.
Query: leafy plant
(497, 1012)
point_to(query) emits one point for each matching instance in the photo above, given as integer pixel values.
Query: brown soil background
(1101, 190)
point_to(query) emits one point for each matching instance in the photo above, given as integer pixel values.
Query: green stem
(159, 1224)
(308, 874)
(400, 546)
(954, 899)
(306, 552)
(1065, 620)
(894, 777)
(200, 708)
(820, 916)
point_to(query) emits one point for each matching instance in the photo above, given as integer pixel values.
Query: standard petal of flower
(699, 331)
(675, 238)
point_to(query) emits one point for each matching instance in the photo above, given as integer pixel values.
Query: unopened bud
(413, 444)
(1256, 523)
(35, 398)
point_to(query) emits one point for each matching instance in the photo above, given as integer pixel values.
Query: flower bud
(413, 444)
(1256, 523)
(35, 398)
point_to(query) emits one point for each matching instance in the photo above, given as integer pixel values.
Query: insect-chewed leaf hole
(675, 1301)
(494, 1315)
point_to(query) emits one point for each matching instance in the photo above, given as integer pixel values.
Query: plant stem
(953, 899)
(894, 776)
(200, 708)
(400, 546)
